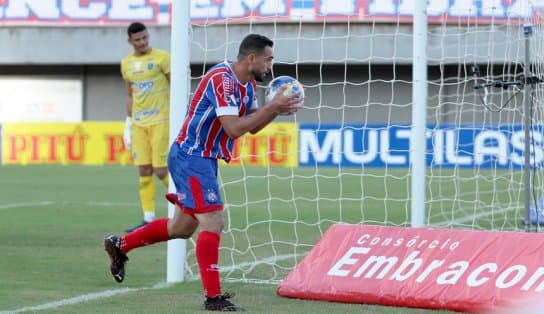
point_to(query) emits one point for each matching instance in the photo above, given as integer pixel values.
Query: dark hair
(254, 43)
(135, 27)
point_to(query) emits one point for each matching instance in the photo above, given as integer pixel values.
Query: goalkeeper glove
(127, 134)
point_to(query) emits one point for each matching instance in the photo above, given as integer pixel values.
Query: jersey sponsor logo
(144, 86)
(228, 86)
(233, 100)
(140, 115)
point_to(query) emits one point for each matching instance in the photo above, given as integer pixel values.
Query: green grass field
(55, 217)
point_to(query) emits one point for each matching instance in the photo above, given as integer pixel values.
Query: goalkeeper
(223, 108)
(146, 72)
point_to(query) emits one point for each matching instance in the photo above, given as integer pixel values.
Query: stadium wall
(375, 59)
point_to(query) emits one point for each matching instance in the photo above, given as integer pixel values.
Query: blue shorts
(195, 179)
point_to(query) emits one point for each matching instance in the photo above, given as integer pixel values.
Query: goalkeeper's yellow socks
(147, 197)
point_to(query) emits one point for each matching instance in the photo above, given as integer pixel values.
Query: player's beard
(259, 77)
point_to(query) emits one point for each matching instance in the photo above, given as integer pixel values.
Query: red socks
(155, 231)
(207, 251)
(207, 256)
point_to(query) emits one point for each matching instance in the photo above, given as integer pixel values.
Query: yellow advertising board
(275, 145)
(100, 143)
(86, 143)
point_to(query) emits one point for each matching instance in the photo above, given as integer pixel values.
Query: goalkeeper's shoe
(118, 259)
(220, 303)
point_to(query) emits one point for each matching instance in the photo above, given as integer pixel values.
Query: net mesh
(344, 158)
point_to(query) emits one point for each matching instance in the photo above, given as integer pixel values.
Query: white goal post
(407, 107)
(179, 95)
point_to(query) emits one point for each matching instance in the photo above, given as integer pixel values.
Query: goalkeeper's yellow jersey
(150, 86)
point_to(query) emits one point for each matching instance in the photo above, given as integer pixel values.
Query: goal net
(344, 158)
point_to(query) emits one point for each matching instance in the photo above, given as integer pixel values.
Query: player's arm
(127, 133)
(129, 98)
(165, 66)
(236, 126)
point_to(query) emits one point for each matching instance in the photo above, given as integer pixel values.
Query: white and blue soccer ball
(294, 88)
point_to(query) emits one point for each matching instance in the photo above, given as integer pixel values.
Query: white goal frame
(181, 79)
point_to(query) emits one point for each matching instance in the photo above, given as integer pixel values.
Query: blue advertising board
(381, 145)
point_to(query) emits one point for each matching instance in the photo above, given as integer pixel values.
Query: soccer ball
(294, 88)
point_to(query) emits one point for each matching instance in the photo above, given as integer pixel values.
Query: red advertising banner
(158, 12)
(459, 270)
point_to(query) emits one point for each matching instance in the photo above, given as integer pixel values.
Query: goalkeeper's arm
(127, 134)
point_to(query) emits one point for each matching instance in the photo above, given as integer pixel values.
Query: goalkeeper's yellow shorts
(150, 145)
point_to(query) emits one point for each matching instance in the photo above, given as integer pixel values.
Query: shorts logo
(211, 196)
(181, 196)
(246, 99)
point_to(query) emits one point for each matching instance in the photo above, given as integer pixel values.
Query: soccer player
(224, 107)
(146, 72)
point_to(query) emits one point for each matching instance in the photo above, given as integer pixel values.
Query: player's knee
(181, 228)
(212, 221)
(185, 235)
(215, 227)
(180, 234)
(145, 170)
(161, 173)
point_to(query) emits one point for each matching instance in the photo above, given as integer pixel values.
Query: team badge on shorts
(211, 196)
(181, 196)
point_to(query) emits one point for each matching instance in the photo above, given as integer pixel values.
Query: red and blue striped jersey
(219, 93)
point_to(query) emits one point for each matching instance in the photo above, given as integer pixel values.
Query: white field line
(94, 203)
(111, 293)
(267, 260)
(471, 218)
(74, 300)
(84, 203)
(26, 204)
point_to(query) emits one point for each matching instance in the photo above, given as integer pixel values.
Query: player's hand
(127, 134)
(285, 105)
